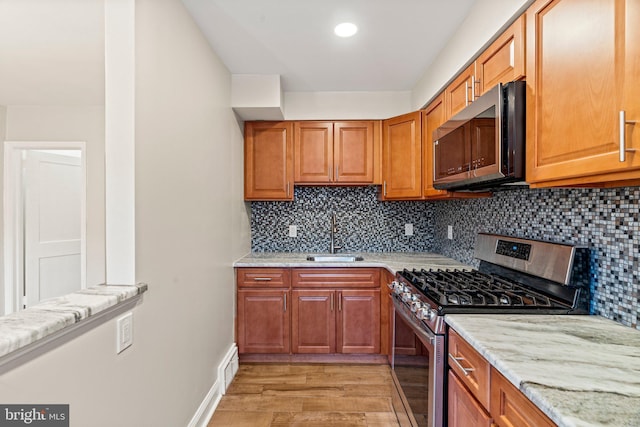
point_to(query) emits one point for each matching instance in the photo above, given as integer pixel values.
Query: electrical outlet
(408, 229)
(293, 231)
(450, 232)
(124, 332)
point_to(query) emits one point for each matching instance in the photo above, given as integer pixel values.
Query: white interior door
(53, 192)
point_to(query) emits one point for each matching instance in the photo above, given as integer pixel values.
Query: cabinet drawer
(511, 408)
(335, 277)
(472, 369)
(263, 277)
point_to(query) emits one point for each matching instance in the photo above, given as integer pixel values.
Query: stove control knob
(422, 313)
(416, 306)
(393, 285)
(407, 297)
(432, 315)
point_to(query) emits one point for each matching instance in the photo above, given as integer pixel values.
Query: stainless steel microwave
(483, 145)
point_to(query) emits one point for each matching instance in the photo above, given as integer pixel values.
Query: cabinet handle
(262, 279)
(330, 173)
(285, 302)
(456, 361)
(466, 93)
(337, 172)
(384, 188)
(623, 135)
(340, 301)
(288, 188)
(473, 88)
(331, 302)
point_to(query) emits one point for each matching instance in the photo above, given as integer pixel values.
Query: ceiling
(52, 52)
(396, 42)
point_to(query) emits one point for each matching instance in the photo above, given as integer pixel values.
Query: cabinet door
(314, 321)
(463, 409)
(263, 321)
(358, 321)
(268, 161)
(313, 144)
(582, 70)
(434, 117)
(402, 157)
(460, 92)
(353, 154)
(503, 61)
(511, 408)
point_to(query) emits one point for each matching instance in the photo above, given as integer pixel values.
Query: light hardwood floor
(310, 395)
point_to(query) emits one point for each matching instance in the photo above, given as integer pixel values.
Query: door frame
(13, 196)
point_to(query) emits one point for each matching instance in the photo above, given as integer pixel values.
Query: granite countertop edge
(25, 327)
(392, 261)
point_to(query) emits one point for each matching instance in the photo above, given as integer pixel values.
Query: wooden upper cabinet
(354, 152)
(402, 157)
(433, 117)
(461, 91)
(268, 161)
(313, 144)
(335, 153)
(503, 61)
(582, 71)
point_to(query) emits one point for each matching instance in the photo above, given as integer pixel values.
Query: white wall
(3, 131)
(191, 223)
(345, 105)
(486, 18)
(78, 123)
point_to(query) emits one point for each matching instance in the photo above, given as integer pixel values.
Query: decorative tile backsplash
(607, 221)
(363, 222)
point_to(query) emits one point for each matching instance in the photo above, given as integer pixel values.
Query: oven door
(418, 368)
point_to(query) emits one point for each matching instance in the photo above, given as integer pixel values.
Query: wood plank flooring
(310, 395)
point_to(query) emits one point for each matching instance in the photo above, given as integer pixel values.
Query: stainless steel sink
(334, 258)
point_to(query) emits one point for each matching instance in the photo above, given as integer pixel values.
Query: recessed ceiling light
(346, 29)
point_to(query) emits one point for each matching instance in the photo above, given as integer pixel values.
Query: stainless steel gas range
(514, 276)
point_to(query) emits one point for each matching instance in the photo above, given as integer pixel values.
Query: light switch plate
(450, 232)
(124, 332)
(293, 231)
(408, 229)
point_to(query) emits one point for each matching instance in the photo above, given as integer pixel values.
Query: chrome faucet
(334, 230)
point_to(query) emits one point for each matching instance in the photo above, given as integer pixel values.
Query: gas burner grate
(474, 289)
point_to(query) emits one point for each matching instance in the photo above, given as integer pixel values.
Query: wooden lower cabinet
(313, 328)
(463, 409)
(263, 321)
(336, 321)
(511, 408)
(479, 395)
(358, 325)
(309, 310)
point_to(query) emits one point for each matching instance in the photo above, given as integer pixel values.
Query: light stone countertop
(23, 328)
(392, 261)
(579, 370)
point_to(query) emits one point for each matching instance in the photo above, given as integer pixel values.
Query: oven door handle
(456, 361)
(417, 329)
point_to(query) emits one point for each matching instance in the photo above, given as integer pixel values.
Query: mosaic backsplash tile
(607, 221)
(363, 222)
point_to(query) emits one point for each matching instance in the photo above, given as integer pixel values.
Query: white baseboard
(227, 369)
